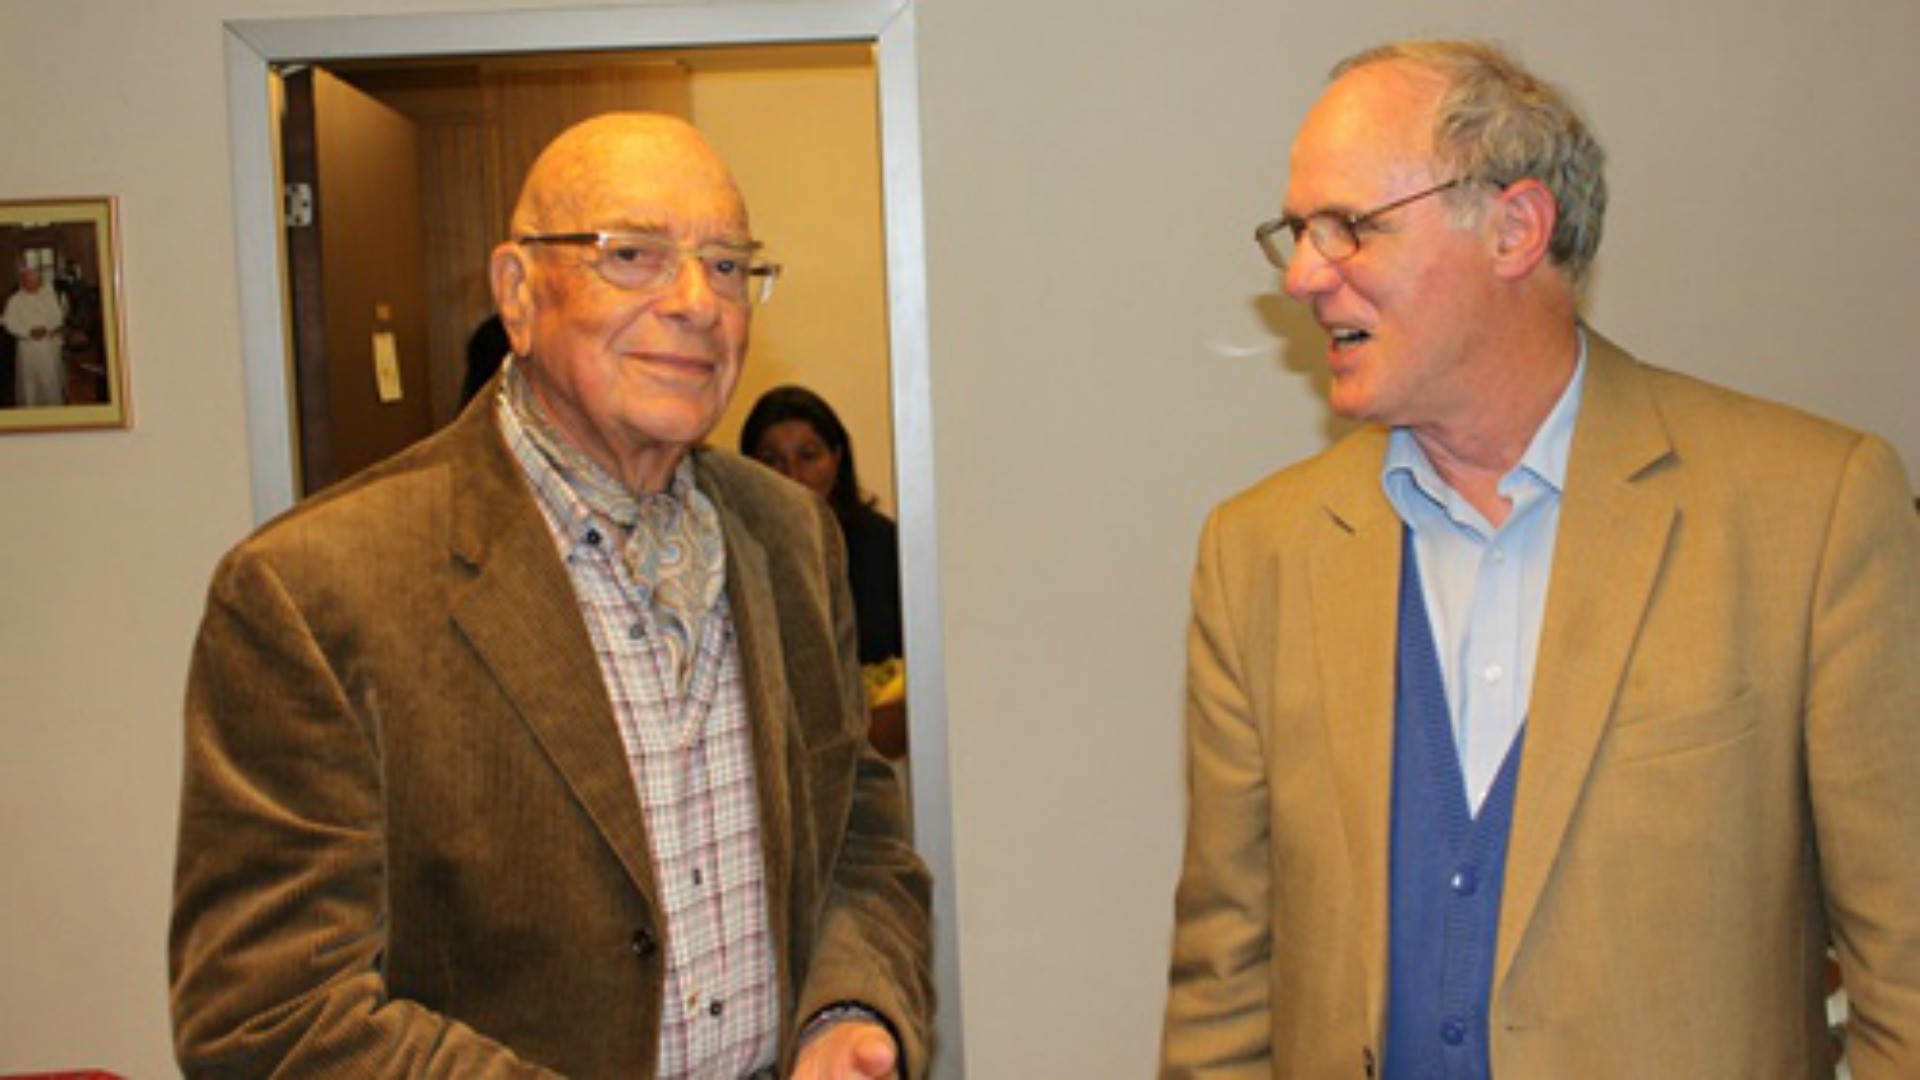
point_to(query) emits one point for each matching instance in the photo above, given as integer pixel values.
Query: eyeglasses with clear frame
(1334, 234)
(646, 262)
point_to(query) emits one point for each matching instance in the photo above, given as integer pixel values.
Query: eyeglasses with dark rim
(649, 262)
(1334, 234)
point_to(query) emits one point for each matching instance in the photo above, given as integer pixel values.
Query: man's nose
(1309, 273)
(690, 295)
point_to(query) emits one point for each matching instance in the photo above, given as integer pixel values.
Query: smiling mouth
(1347, 338)
(676, 362)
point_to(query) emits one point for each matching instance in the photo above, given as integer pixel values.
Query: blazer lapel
(763, 671)
(519, 614)
(1355, 574)
(1615, 525)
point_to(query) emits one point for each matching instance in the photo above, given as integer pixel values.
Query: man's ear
(1523, 218)
(510, 273)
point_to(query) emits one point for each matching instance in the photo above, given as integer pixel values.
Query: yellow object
(886, 681)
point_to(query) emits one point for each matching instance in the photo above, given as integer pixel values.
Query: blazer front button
(644, 945)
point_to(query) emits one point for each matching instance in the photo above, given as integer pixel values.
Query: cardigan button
(1466, 881)
(644, 945)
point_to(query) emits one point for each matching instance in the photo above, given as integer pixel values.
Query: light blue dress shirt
(1485, 587)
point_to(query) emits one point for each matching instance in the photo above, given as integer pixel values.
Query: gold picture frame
(63, 366)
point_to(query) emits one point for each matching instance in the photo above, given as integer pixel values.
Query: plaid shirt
(691, 758)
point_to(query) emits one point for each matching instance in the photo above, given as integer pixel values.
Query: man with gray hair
(1557, 721)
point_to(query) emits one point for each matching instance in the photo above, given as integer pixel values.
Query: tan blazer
(409, 842)
(1722, 761)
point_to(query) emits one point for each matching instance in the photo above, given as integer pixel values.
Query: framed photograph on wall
(62, 365)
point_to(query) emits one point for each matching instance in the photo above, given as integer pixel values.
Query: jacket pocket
(1656, 735)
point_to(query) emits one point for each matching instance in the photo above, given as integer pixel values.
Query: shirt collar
(572, 515)
(1408, 471)
(1552, 445)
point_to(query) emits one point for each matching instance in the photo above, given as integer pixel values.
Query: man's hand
(852, 1050)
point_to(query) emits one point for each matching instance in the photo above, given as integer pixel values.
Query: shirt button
(1453, 1033)
(636, 632)
(715, 1008)
(1499, 556)
(1493, 673)
(593, 537)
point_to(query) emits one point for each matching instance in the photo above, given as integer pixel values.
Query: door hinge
(299, 206)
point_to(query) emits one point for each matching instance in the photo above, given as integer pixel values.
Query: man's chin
(1350, 401)
(673, 425)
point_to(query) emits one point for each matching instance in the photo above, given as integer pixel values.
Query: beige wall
(812, 179)
(1105, 369)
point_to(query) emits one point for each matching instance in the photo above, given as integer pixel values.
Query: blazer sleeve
(1863, 752)
(873, 937)
(279, 922)
(1218, 1017)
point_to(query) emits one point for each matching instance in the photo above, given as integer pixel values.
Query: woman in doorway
(792, 430)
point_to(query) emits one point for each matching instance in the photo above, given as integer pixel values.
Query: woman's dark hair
(799, 403)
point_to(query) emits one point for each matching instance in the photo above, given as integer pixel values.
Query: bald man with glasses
(1554, 723)
(541, 748)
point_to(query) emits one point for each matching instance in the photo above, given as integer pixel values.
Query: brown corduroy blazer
(409, 840)
(1721, 765)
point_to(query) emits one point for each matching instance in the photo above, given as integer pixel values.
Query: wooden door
(357, 277)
